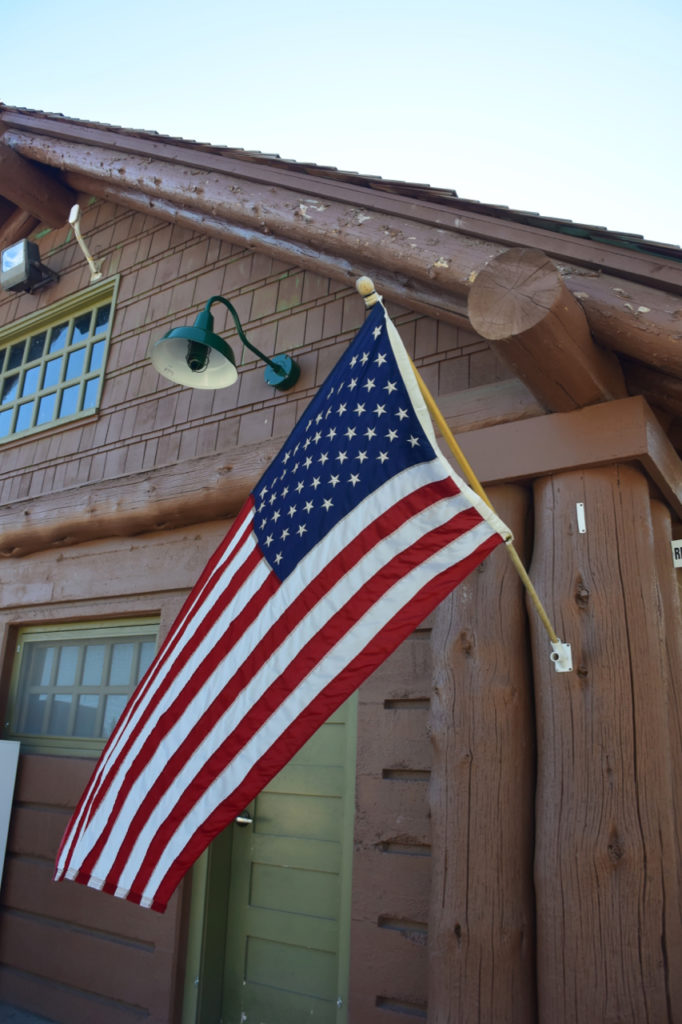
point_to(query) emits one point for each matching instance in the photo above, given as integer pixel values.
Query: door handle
(244, 819)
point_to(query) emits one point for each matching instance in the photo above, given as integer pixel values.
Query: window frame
(81, 632)
(67, 309)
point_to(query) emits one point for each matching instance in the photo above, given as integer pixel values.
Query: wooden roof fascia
(422, 298)
(18, 225)
(33, 188)
(22, 132)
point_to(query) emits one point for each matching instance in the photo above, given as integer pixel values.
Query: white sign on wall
(9, 757)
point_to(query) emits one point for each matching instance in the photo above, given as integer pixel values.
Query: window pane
(102, 319)
(38, 665)
(147, 651)
(69, 402)
(81, 328)
(113, 709)
(121, 665)
(93, 669)
(60, 712)
(16, 355)
(34, 714)
(6, 422)
(74, 366)
(46, 409)
(91, 392)
(96, 356)
(36, 347)
(10, 388)
(2, 358)
(58, 337)
(30, 383)
(86, 715)
(53, 370)
(68, 663)
(24, 417)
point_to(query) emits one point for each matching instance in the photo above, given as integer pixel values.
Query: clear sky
(572, 110)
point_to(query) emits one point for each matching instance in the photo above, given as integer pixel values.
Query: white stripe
(358, 636)
(136, 707)
(351, 583)
(369, 509)
(160, 702)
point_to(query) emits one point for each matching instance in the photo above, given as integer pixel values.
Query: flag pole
(561, 652)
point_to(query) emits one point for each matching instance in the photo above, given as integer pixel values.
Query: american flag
(352, 536)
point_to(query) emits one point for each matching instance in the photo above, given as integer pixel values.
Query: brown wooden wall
(79, 956)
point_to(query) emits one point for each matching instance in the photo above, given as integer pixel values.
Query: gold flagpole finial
(365, 287)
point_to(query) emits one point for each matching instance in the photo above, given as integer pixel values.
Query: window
(52, 363)
(70, 683)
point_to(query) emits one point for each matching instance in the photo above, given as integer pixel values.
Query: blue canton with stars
(358, 432)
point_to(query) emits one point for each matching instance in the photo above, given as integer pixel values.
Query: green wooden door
(287, 892)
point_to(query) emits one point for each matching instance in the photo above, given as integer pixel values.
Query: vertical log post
(481, 915)
(608, 909)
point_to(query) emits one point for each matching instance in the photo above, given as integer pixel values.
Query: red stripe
(338, 690)
(300, 667)
(92, 796)
(277, 633)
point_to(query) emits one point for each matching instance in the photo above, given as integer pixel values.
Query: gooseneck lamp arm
(280, 366)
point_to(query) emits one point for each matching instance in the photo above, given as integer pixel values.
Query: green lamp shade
(195, 357)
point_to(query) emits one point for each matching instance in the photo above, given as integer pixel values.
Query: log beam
(481, 920)
(169, 496)
(33, 189)
(18, 225)
(521, 305)
(350, 230)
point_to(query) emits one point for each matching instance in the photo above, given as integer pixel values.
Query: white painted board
(9, 758)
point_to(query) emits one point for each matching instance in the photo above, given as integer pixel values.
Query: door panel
(286, 950)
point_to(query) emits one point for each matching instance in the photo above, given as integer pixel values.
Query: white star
(401, 414)
(308, 507)
(353, 361)
(359, 409)
(302, 529)
(263, 523)
(269, 539)
(332, 433)
(278, 557)
(376, 332)
(361, 456)
(285, 533)
(317, 437)
(354, 479)
(308, 462)
(318, 417)
(350, 433)
(365, 356)
(299, 486)
(323, 458)
(341, 457)
(287, 456)
(413, 441)
(369, 384)
(380, 410)
(292, 511)
(382, 457)
(333, 480)
(370, 433)
(327, 504)
(307, 442)
(273, 497)
(380, 359)
(391, 386)
(342, 408)
(285, 491)
(315, 482)
(275, 515)
(392, 434)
